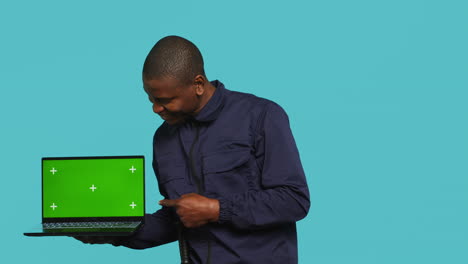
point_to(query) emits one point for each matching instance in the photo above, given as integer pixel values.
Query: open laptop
(92, 196)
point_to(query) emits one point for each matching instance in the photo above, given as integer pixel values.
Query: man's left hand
(194, 210)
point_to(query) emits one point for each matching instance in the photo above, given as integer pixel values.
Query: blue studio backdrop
(376, 92)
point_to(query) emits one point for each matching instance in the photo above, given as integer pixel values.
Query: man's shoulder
(242, 99)
(237, 95)
(164, 131)
(253, 104)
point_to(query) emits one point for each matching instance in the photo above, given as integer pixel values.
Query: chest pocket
(172, 176)
(227, 172)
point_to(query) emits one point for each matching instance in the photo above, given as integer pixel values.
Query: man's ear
(199, 83)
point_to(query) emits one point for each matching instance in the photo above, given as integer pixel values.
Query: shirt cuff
(118, 241)
(225, 211)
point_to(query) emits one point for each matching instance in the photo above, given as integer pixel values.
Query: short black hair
(176, 57)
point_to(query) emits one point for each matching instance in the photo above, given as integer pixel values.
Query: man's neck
(205, 98)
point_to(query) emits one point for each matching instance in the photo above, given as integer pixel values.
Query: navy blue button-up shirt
(238, 149)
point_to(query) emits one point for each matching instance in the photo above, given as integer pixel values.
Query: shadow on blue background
(376, 92)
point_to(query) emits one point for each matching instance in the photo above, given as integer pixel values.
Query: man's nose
(157, 108)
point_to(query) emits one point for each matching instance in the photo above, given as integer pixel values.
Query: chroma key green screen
(93, 187)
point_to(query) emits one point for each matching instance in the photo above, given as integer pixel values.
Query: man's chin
(174, 121)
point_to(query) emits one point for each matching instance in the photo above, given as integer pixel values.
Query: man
(226, 163)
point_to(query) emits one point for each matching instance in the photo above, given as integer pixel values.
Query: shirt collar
(213, 107)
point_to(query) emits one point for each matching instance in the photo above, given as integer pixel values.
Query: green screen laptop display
(93, 187)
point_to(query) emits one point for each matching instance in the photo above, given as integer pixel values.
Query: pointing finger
(168, 203)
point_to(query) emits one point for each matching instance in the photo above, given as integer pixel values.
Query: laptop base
(80, 232)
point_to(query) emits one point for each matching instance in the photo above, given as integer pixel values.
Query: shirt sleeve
(159, 228)
(284, 194)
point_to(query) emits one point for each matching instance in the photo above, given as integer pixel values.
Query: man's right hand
(98, 239)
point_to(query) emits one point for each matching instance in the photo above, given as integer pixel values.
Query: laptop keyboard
(90, 225)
